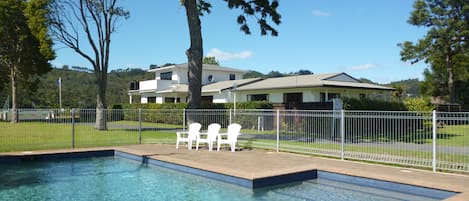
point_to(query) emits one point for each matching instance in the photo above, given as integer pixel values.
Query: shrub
(368, 104)
(419, 104)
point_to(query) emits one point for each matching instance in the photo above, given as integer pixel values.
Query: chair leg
(210, 146)
(197, 146)
(189, 144)
(177, 144)
(233, 147)
(218, 146)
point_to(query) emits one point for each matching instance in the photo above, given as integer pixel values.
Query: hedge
(166, 112)
(368, 104)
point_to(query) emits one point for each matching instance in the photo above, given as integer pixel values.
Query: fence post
(278, 130)
(434, 130)
(73, 128)
(342, 134)
(230, 117)
(139, 125)
(184, 120)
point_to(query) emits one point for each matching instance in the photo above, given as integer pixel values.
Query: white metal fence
(437, 140)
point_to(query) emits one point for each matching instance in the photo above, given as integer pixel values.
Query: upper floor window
(232, 77)
(166, 75)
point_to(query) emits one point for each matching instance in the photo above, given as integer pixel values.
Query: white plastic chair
(212, 133)
(232, 136)
(189, 136)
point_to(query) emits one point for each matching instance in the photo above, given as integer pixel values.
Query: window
(172, 100)
(207, 99)
(211, 78)
(258, 97)
(232, 77)
(166, 75)
(333, 95)
(329, 97)
(151, 99)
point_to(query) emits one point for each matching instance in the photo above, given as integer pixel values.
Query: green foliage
(419, 104)
(167, 112)
(410, 86)
(368, 104)
(252, 74)
(242, 105)
(25, 46)
(210, 60)
(273, 74)
(250, 105)
(444, 42)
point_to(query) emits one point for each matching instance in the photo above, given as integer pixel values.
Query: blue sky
(356, 37)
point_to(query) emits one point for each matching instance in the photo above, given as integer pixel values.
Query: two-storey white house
(222, 85)
(171, 83)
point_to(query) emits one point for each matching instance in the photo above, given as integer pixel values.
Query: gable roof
(314, 80)
(204, 67)
(214, 87)
(224, 85)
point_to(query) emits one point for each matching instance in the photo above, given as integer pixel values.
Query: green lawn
(37, 136)
(145, 124)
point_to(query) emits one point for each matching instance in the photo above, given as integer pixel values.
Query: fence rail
(437, 140)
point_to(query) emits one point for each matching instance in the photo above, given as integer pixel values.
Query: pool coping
(168, 156)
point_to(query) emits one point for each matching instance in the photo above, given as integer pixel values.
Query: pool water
(115, 178)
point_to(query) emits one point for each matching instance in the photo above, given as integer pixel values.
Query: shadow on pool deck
(255, 164)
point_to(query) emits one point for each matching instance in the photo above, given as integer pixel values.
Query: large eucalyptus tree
(86, 26)
(260, 10)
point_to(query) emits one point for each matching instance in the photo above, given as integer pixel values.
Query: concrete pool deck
(254, 164)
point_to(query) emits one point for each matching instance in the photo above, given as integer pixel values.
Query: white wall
(159, 99)
(218, 76)
(220, 97)
(143, 99)
(147, 84)
(180, 75)
(314, 94)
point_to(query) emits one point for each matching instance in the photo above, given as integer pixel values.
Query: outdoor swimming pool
(117, 178)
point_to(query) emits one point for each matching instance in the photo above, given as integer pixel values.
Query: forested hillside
(78, 88)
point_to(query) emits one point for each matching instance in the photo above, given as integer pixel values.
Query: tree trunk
(101, 102)
(14, 101)
(449, 65)
(194, 54)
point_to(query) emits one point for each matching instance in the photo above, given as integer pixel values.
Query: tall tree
(262, 10)
(96, 20)
(25, 45)
(446, 37)
(210, 60)
(398, 92)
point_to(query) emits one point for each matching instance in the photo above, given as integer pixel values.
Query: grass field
(37, 136)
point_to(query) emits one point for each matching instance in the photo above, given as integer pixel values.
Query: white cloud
(131, 66)
(225, 56)
(320, 13)
(362, 67)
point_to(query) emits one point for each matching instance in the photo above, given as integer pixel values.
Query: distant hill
(78, 88)
(411, 87)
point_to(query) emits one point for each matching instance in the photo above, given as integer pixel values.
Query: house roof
(204, 66)
(223, 85)
(314, 80)
(214, 87)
